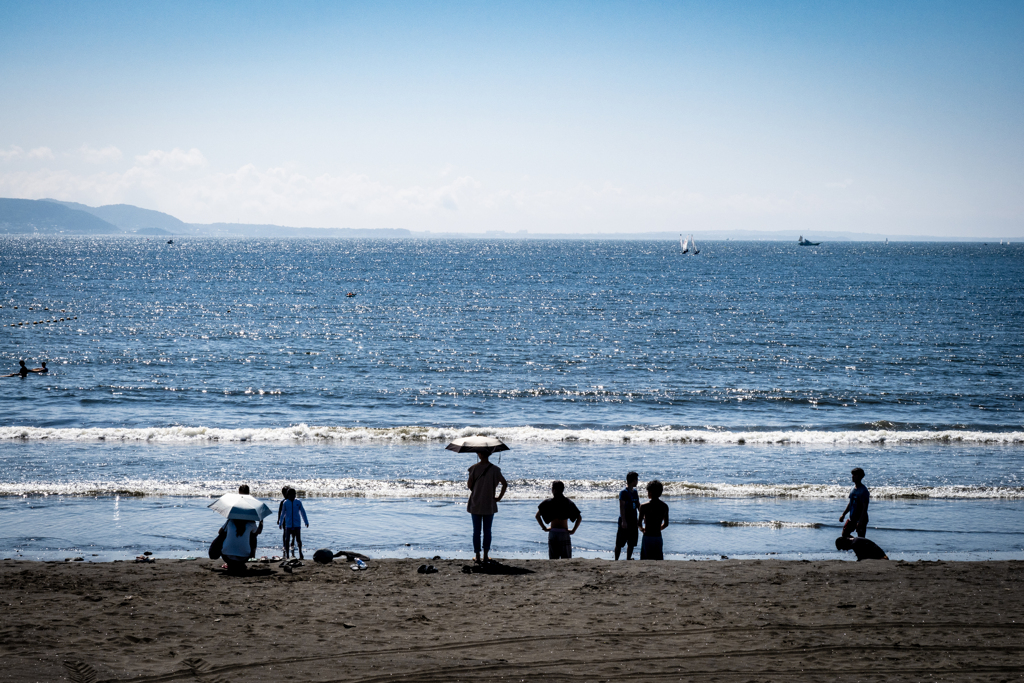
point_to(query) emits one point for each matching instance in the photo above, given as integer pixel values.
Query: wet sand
(575, 620)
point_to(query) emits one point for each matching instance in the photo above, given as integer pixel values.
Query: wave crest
(303, 433)
(523, 489)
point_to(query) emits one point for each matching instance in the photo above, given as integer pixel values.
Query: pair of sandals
(288, 565)
(426, 569)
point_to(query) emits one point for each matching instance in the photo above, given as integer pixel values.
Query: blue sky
(876, 117)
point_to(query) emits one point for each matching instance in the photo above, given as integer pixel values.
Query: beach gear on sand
(238, 506)
(216, 547)
(475, 444)
(326, 556)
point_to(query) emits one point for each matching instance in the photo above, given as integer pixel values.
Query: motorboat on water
(806, 243)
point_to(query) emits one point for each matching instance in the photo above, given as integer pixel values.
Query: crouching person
(238, 543)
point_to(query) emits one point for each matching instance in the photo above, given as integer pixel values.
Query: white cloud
(12, 153)
(99, 156)
(40, 153)
(181, 183)
(175, 159)
(16, 152)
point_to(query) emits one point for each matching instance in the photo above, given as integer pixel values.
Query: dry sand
(571, 620)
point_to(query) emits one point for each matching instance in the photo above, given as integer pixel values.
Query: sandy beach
(575, 620)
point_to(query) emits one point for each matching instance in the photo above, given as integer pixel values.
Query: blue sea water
(749, 378)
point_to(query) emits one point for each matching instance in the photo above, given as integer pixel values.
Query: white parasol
(238, 506)
(477, 444)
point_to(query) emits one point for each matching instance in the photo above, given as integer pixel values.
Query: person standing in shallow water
(22, 371)
(484, 478)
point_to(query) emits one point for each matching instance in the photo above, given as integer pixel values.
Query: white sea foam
(523, 489)
(303, 433)
(774, 524)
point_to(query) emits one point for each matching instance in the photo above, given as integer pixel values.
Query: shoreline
(574, 619)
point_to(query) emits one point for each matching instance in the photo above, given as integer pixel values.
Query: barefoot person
(484, 477)
(629, 505)
(857, 507)
(653, 520)
(557, 511)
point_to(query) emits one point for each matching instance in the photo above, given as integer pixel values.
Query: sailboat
(693, 245)
(684, 244)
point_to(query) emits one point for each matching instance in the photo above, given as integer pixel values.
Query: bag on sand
(217, 546)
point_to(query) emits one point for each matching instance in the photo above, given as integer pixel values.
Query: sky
(551, 117)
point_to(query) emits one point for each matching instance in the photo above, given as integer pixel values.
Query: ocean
(749, 379)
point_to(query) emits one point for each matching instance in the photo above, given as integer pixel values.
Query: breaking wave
(303, 433)
(523, 489)
(774, 524)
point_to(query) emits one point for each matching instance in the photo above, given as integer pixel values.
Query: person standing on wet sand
(629, 505)
(558, 511)
(857, 507)
(653, 520)
(484, 477)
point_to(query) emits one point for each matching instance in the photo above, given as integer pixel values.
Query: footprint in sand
(80, 672)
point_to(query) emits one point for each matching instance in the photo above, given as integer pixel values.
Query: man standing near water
(558, 511)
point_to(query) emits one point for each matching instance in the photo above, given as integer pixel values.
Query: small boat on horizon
(806, 243)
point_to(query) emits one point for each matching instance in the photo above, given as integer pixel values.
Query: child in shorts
(291, 513)
(653, 520)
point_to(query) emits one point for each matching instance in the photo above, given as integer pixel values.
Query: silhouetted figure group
(555, 513)
(239, 537)
(23, 370)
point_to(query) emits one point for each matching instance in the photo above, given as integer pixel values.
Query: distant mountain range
(54, 217)
(27, 216)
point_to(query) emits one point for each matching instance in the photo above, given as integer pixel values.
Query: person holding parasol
(484, 478)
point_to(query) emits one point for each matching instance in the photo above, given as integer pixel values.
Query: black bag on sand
(217, 546)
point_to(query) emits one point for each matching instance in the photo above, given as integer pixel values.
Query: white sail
(693, 245)
(684, 244)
